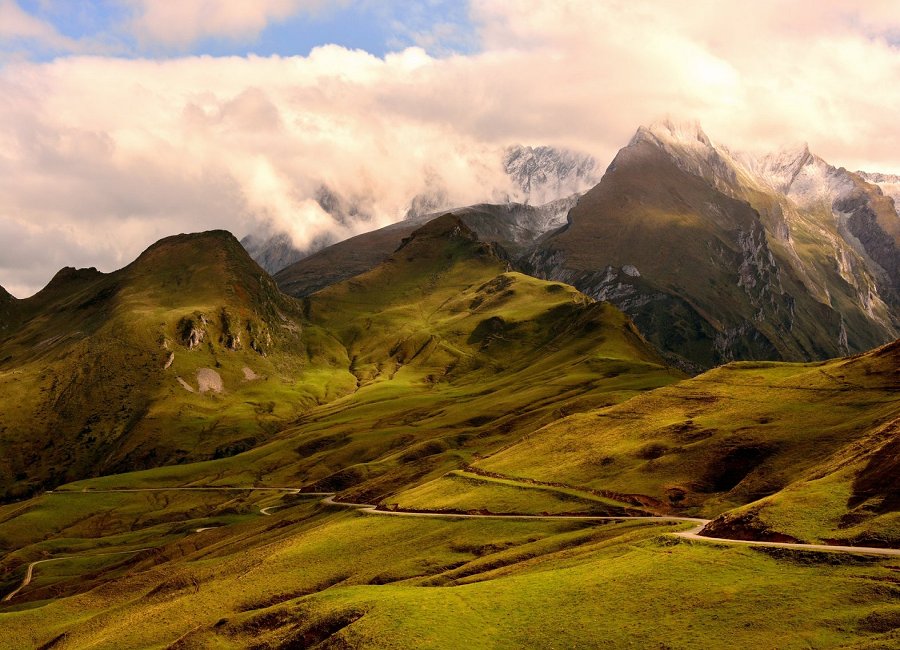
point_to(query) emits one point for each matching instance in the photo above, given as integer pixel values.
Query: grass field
(367, 580)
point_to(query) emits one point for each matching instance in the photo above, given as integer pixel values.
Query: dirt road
(328, 499)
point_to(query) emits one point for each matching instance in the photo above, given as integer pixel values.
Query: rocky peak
(544, 174)
(688, 146)
(781, 168)
(448, 226)
(877, 177)
(670, 133)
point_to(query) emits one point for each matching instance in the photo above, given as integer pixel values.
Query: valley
(440, 438)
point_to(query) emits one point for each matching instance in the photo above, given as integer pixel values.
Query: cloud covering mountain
(103, 154)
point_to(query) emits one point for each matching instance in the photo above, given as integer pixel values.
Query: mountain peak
(448, 236)
(446, 226)
(200, 249)
(543, 174)
(781, 168)
(670, 132)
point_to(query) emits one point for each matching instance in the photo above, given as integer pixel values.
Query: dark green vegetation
(190, 352)
(438, 381)
(513, 226)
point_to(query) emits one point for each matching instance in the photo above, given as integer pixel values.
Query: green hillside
(808, 450)
(190, 352)
(438, 383)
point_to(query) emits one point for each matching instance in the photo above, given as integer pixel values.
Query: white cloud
(103, 155)
(179, 23)
(17, 25)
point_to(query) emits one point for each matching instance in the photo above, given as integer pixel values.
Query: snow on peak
(672, 132)
(878, 177)
(544, 174)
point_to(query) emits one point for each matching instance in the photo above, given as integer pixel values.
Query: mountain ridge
(847, 290)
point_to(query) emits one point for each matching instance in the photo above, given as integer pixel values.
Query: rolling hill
(188, 353)
(772, 450)
(439, 381)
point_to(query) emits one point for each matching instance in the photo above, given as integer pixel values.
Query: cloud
(180, 23)
(100, 156)
(18, 26)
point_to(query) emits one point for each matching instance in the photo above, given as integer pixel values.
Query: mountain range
(715, 255)
(534, 176)
(404, 440)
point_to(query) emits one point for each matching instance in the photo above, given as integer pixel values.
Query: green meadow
(438, 383)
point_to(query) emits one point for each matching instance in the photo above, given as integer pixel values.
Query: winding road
(366, 508)
(29, 574)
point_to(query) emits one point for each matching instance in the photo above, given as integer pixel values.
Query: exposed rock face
(208, 380)
(544, 174)
(862, 223)
(231, 336)
(193, 330)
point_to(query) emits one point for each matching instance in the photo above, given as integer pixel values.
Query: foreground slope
(310, 575)
(189, 352)
(803, 451)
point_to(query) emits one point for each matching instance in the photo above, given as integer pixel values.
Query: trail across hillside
(29, 573)
(366, 508)
(692, 534)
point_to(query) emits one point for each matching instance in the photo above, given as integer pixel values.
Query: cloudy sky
(122, 121)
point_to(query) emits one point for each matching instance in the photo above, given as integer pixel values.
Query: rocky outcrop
(862, 223)
(192, 330)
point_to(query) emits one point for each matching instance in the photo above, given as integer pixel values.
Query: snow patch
(208, 380)
(186, 385)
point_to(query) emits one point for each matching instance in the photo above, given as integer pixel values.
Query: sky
(124, 121)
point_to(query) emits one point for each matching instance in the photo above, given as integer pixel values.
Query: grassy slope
(84, 379)
(740, 433)
(303, 576)
(454, 358)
